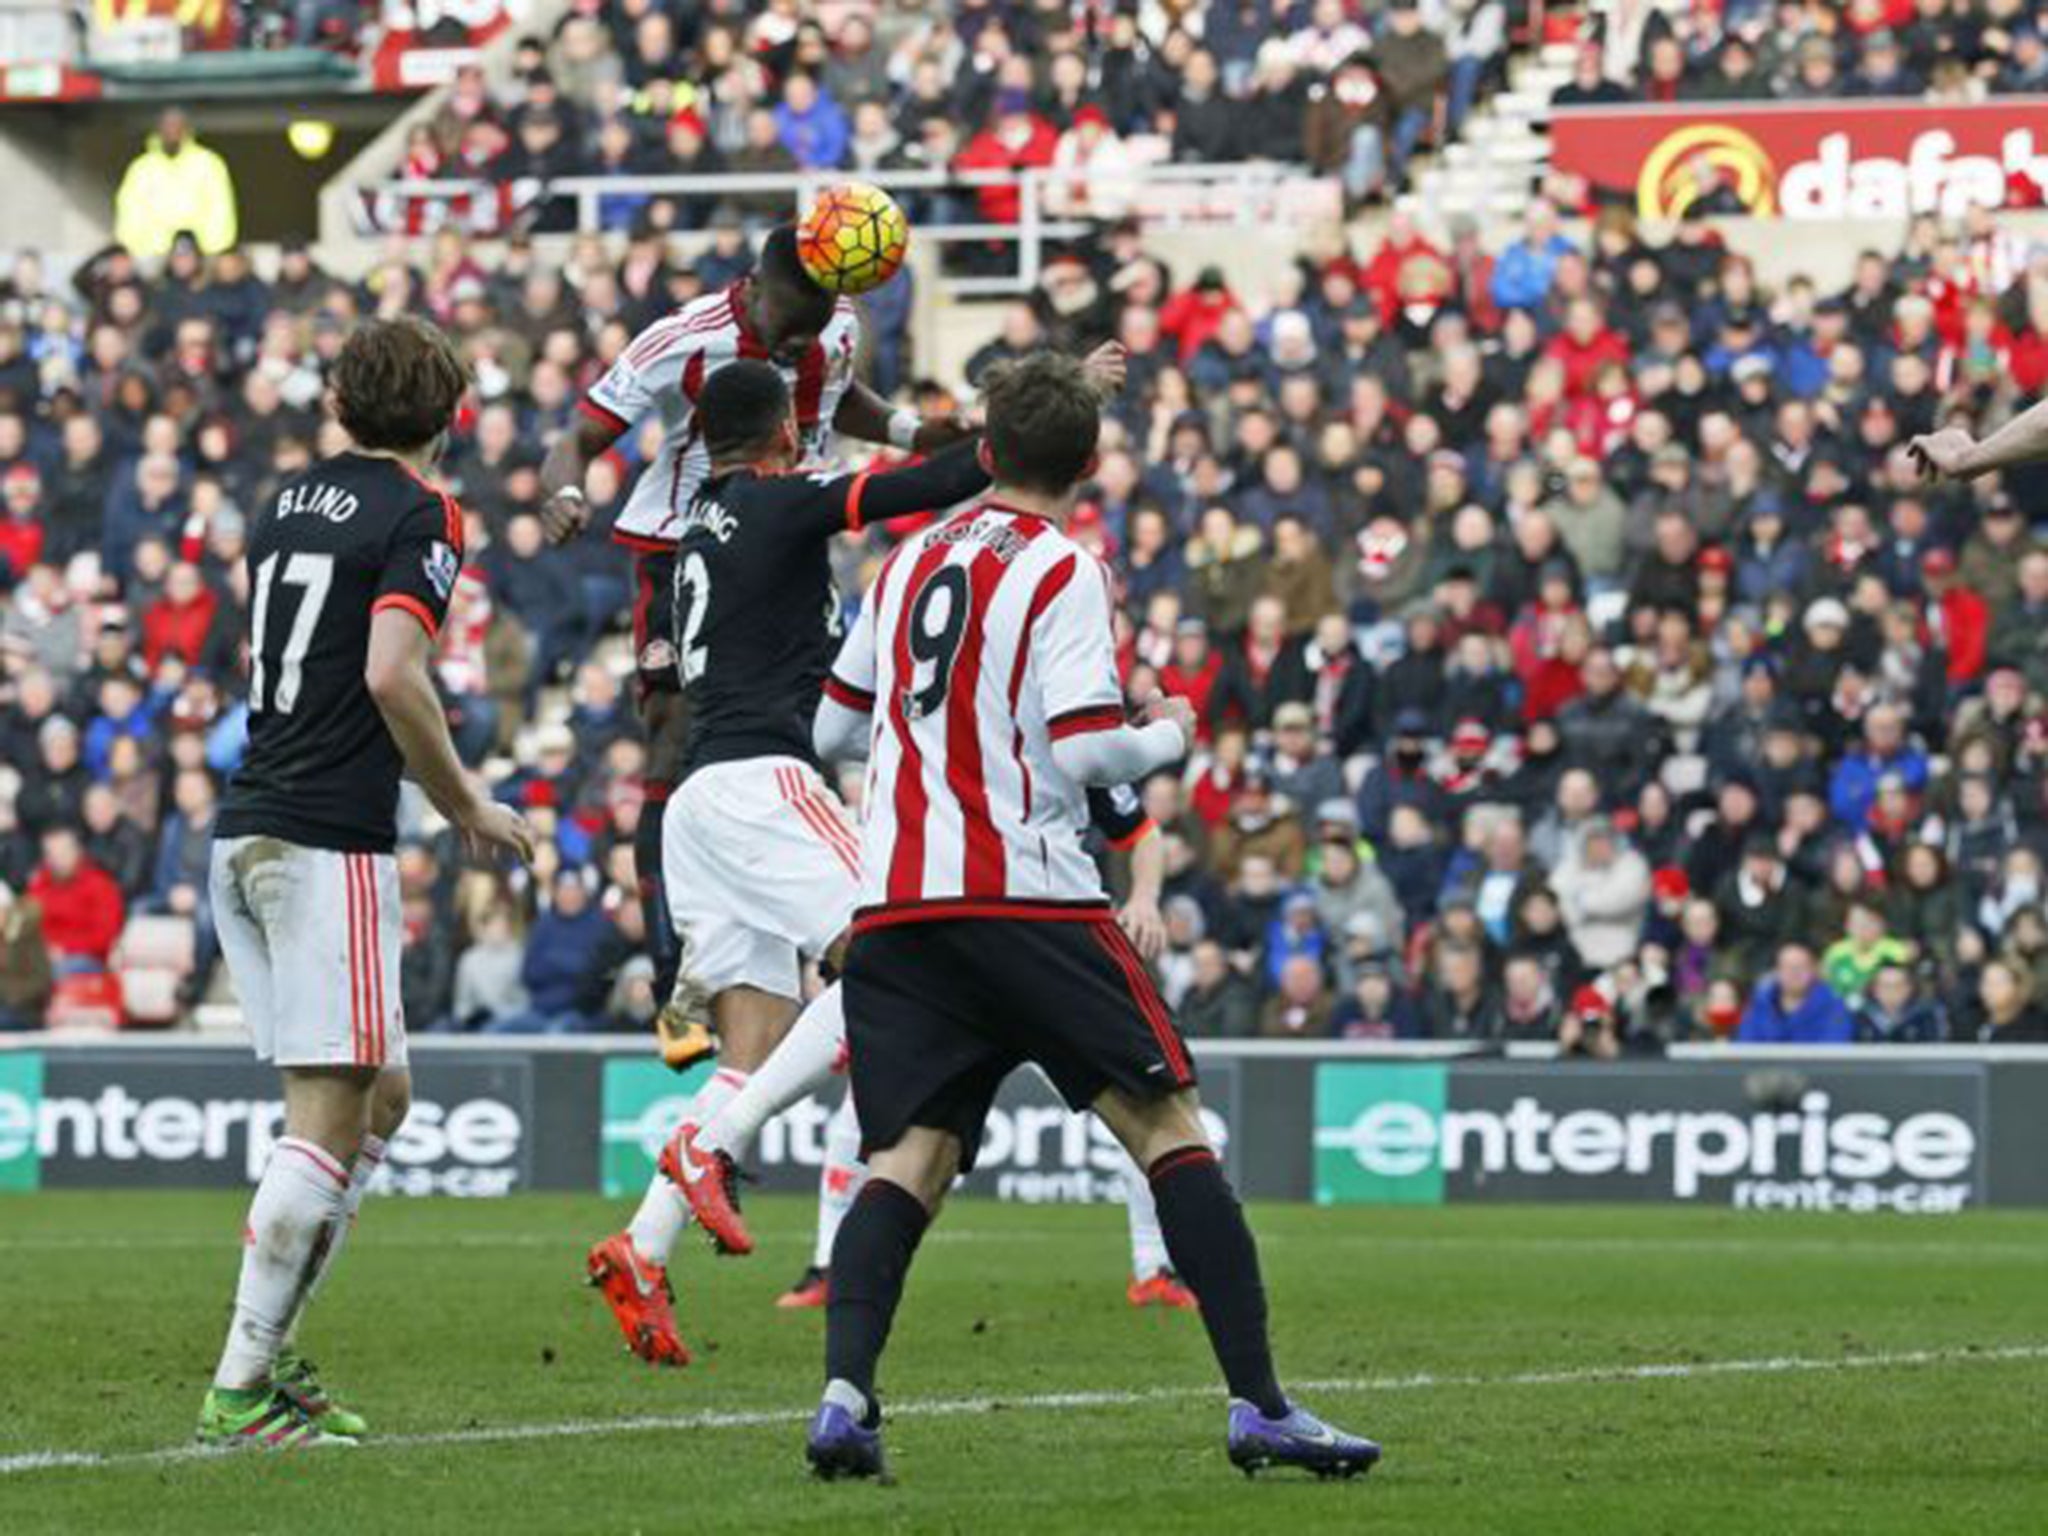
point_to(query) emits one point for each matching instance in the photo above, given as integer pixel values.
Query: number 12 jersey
(756, 610)
(356, 534)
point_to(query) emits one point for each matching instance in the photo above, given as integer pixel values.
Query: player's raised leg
(1212, 1247)
(701, 1156)
(630, 1268)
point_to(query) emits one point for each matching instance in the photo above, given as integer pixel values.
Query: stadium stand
(1578, 655)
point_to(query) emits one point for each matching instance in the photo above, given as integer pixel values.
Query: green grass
(449, 1317)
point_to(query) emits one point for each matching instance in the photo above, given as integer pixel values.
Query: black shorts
(654, 622)
(938, 1013)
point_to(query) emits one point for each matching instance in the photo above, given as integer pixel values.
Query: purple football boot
(840, 1445)
(1298, 1440)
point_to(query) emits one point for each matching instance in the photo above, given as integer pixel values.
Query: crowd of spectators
(1578, 653)
(345, 27)
(1952, 51)
(659, 87)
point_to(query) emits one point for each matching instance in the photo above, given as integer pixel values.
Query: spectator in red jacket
(1584, 346)
(1016, 139)
(1963, 619)
(179, 621)
(1383, 276)
(21, 521)
(1193, 671)
(1191, 317)
(81, 904)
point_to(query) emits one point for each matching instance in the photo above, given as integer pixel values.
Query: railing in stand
(1053, 206)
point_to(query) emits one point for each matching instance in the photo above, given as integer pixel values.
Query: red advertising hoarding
(1860, 160)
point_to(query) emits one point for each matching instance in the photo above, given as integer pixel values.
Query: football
(853, 238)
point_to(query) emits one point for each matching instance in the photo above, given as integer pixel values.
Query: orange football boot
(1160, 1289)
(813, 1290)
(706, 1180)
(638, 1294)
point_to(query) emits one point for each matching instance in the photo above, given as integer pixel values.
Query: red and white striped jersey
(985, 639)
(665, 367)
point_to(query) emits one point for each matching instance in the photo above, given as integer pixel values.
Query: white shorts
(312, 938)
(761, 868)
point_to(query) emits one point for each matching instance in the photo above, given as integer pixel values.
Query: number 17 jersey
(354, 535)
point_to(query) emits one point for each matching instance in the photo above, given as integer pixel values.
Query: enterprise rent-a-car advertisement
(1035, 1149)
(1919, 1134)
(1835, 1137)
(196, 1118)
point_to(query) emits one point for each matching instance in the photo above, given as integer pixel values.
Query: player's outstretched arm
(402, 688)
(1952, 454)
(564, 511)
(915, 490)
(1122, 754)
(866, 417)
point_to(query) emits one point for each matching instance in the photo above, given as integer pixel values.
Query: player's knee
(925, 1163)
(390, 1102)
(1149, 1128)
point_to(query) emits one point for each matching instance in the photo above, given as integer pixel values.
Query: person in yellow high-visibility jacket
(175, 184)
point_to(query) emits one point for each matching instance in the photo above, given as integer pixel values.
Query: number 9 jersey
(356, 534)
(985, 639)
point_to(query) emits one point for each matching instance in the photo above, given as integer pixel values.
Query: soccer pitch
(1622, 1370)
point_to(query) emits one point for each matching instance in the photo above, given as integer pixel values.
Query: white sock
(664, 1212)
(369, 1158)
(1148, 1243)
(802, 1061)
(841, 1179)
(299, 1206)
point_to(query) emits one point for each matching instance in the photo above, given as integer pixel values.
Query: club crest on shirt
(442, 566)
(657, 656)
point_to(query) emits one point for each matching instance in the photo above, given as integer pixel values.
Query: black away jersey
(355, 534)
(757, 612)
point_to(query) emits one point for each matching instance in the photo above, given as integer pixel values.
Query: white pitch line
(1991, 1251)
(956, 1407)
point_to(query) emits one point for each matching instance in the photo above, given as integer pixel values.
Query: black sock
(1212, 1249)
(661, 934)
(870, 1259)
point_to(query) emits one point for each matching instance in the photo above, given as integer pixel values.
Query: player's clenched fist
(564, 515)
(1172, 707)
(936, 432)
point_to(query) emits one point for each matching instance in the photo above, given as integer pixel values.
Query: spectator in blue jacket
(561, 952)
(1521, 278)
(1296, 932)
(810, 125)
(1793, 1006)
(1852, 789)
